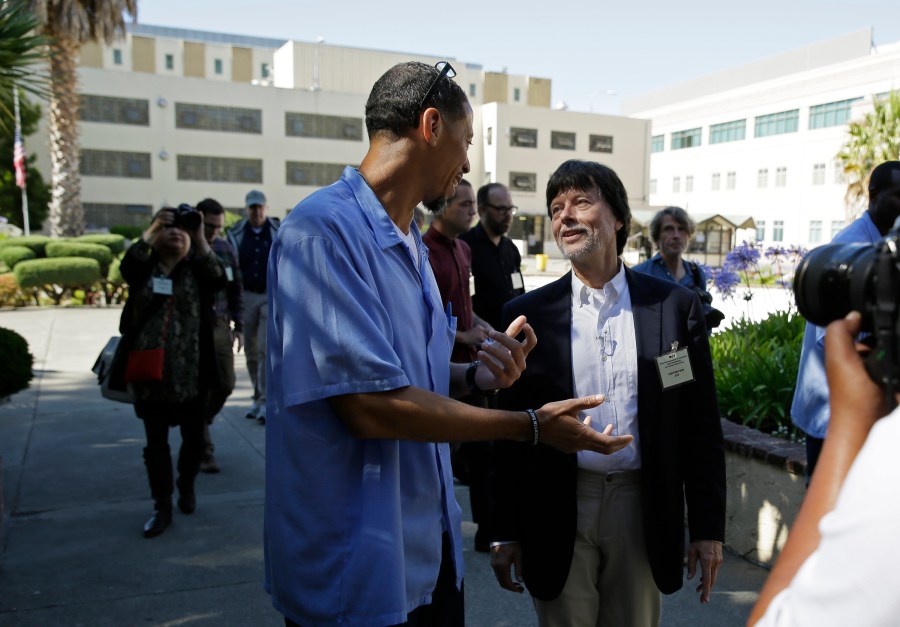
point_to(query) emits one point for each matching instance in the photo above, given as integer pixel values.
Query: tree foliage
(21, 54)
(870, 141)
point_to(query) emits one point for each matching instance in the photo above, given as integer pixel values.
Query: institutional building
(172, 115)
(760, 141)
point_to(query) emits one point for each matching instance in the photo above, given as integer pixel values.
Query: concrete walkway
(76, 497)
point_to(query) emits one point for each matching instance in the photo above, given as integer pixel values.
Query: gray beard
(586, 247)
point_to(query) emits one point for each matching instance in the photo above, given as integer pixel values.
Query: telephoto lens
(187, 217)
(834, 280)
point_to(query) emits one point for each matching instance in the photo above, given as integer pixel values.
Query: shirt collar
(582, 293)
(383, 228)
(440, 238)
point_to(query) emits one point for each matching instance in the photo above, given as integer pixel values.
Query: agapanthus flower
(725, 281)
(744, 257)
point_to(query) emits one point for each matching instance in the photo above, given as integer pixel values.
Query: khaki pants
(609, 582)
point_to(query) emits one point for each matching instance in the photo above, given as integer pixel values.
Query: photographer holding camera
(172, 275)
(809, 409)
(671, 230)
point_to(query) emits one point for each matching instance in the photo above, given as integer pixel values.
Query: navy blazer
(682, 451)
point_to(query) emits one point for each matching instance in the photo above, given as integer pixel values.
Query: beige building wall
(241, 65)
(91, 55)
(539, 92)
(194, 59)
(143, 54)
(496, 87)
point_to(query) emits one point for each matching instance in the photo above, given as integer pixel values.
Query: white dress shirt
(604, 361)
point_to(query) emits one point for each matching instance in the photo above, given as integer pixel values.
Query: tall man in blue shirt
(809, 410)
(361, 527)
(252, 238)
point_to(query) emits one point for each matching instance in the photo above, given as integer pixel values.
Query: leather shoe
(187, 503)
(157, 523)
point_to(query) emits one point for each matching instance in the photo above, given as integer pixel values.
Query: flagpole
(19, 133)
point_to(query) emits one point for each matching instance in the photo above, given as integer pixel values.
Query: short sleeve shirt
(352, 527)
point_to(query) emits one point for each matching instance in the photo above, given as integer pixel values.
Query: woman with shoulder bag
(172, 276)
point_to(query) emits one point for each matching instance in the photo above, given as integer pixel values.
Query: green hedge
(128, 231)
(11, 255)
(756, 366)
(115, 243)
(66, 272)
(15, 367)
(114, 275)
(34, 242)
(101, 253)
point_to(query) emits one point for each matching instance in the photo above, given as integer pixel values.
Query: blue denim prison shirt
(809, 409)
(352, 527)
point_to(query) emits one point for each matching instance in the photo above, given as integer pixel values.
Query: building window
(760, 230)
(523, 181)
(114, 163)
(472, 89)
(777, 123)
(516, 94)
(652, 186)
(170, 62)
(686, 139)
(676, 184)
(112, 110)
(117, 56)
(265, 70)
(780, 177)
(778, 231)
(815, 231)
(840, 177)
(562, 141)
(689, 183)
(716, 181)
(762, 177)
(818, 174)
(523, 137)
(310, 173)
(831, 114)
(210, 118)
(218, 66)
(836, 227)
(100, 214)
(323, 126)
(727, 132)
(600, 143)
(730, 180)
(657, 143)
(219, 169)
(490, 136)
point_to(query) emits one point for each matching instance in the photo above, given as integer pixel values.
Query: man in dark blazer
(596, 540)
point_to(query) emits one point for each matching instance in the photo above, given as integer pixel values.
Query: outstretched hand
(503, 357)
(563, 429)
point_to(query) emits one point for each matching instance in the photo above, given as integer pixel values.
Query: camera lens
(188, 217)
(834, 280)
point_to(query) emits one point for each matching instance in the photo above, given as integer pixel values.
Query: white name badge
(162, 285)
(471, 285)
(229, 273)
(517, 280)
(674, 368)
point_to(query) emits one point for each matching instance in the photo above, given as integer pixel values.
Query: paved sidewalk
(76, 496)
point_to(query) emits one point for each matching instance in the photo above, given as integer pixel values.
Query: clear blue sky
(596, 52)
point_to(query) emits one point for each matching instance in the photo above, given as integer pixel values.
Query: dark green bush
(11, 255)
(101, 253)
(34, 242)
(59, 275)
(115, 243)
(756, 366)
(15, 367)
(127, 231)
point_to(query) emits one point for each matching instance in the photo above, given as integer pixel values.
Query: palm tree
(69, 24)
(20, 51)
(871, 140)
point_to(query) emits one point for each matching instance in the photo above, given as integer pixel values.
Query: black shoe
(187, 503)
(157, 523)
(209, 465)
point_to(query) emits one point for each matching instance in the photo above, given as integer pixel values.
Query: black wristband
(535, 426)
(470, 377)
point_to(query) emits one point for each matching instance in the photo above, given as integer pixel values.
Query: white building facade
(760, 140)
(172, 115)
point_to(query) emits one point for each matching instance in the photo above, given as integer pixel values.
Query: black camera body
(186, 217)
(836, 279)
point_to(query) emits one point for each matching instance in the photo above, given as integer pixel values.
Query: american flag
(19, 159)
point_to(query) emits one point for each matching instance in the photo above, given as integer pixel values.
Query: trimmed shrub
(15, 367)
(34, 242)
(11, 255)
(115, 243)
(756, 367)
(101, 253)
(57, 276)
(4, 268)
(127, 231)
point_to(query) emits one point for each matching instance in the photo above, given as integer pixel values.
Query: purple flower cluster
(725, 280)
(744, 257)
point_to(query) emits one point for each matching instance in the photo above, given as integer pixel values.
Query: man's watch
(470, 380)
